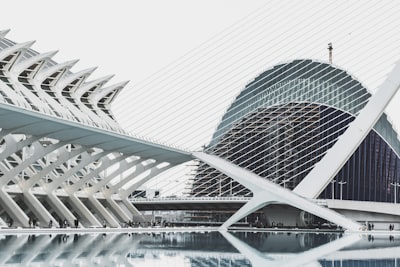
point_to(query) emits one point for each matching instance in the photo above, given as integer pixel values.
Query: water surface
(200, 249)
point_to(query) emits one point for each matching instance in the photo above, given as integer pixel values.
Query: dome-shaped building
(285, 120)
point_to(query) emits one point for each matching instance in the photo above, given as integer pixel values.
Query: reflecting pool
(228, 249)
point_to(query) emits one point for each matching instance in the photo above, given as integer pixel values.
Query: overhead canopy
(23, 121)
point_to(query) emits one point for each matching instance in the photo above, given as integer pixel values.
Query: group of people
(64, 223)
(33, 222)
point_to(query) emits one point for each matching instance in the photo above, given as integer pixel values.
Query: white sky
(135, 39)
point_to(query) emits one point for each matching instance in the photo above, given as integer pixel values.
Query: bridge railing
(183, 199)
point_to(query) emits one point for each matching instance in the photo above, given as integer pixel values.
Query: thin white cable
(250, 158)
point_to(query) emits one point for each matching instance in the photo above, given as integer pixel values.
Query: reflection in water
(195, 249)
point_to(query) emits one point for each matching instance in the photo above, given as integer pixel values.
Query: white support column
(132, 208)
(264, 190)
(60, 207)
(118, 210)
(77, 203)
(13, 209)
(35, 206)
(123, 194)
(106, 163)
(101, 210)
(326, 169)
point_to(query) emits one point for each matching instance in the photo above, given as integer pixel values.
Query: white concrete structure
(324, 171)
(64, 157)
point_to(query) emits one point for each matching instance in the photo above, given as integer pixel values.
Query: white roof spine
(100, 93)
(18, 47)
(65, 81)
(89, 85)
(43, 74)
(24, 64)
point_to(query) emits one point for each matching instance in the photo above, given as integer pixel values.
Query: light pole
(395, 191)
(341, 183)
(333, 188)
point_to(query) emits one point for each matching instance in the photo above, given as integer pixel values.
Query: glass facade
(284, 122)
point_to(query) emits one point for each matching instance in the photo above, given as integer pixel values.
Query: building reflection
(200, 249)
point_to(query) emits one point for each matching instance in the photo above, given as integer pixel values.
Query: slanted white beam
(264, 190)
(105, 164)
(86, 160)
(65, 155)
(326, 169)
(3, 33)
(124, 193)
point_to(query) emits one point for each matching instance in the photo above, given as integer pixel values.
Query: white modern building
(285, 121)
(62, 152)
(63, 157)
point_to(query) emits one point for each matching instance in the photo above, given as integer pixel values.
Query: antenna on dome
(330, 48)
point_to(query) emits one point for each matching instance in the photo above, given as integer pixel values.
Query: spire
(330, 48)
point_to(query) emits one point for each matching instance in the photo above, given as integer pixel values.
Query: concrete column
(17, 214)
(100, 209)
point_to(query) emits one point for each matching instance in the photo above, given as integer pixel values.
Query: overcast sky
(182, 103)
